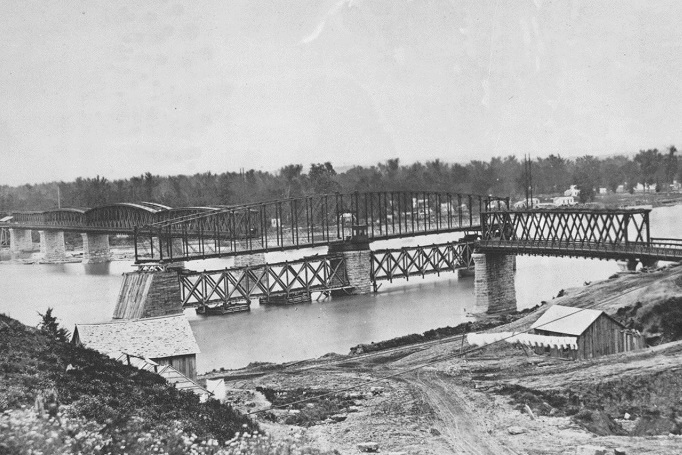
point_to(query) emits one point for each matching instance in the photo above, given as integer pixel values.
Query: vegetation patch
(57, 390)
(654, 399)
(306, 407)
(660, 322)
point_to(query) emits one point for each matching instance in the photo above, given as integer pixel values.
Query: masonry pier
(20, 241)
(148, 293)
(358, 259)
(494, 282)
(52, 247)
(96, 248)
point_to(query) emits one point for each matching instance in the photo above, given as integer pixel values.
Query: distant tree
(586, 177)
(671, 165)
(49, 326)
(321, 178)
(649, 165)
(291, 173)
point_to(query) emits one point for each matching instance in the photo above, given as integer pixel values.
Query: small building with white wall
(165, 340)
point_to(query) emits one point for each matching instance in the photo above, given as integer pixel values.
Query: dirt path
(458, 421)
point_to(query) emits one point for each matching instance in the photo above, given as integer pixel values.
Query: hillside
(59, 398)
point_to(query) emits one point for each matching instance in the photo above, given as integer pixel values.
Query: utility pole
(528, 180)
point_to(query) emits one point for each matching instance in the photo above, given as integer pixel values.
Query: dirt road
(461, 424)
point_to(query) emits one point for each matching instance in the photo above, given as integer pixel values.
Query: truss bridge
(232, 290)
(604, 234)
(309, 222)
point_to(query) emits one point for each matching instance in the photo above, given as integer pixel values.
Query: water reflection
(103, 268)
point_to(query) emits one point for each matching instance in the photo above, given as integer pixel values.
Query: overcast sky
(120, 88)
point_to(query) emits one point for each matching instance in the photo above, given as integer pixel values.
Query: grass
(47, 385)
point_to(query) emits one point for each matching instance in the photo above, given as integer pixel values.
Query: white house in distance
(564, 200)
(573, 191)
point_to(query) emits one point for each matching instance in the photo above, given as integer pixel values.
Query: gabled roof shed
(166, 340)
(597, 333)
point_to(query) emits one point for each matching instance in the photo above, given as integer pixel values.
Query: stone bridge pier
(494, 286)
(20, 241)
(358, 259)
(96, 248)
(52, 247)
(147, 294)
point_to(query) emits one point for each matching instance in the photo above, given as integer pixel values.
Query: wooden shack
(596, 333)
(166, 340)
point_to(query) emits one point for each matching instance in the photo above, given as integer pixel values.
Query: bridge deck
(657, 249)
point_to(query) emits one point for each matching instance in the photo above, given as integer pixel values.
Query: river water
(82, 293)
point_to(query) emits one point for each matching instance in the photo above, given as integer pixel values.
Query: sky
(120, 88)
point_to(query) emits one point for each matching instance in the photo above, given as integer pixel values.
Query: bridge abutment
(494, 282)
(358, 260)
(96, 248)
(20, 241)
(52, 247)
(146, 294)
(649, 263)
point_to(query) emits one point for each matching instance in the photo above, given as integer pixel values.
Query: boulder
(591, 450)
(338, 417)
(368, 447)
(516, 430)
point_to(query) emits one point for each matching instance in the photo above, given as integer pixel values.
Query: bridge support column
(494, 283)
(20, 241)
(357, 256)
(96, 248)
(649, 263)
(145, 294)
(52, 246)
(249, 260)
(629, 265)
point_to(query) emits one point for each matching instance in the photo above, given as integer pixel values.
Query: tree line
(501, 176)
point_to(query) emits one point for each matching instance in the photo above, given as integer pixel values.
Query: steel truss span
(388, 265)
(605, 234)
(309, 222)
(235, 286)
(118, 218)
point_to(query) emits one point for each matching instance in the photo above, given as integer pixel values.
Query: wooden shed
(166, 340)
(596, 332)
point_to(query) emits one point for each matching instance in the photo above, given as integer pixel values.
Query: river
(82, 293)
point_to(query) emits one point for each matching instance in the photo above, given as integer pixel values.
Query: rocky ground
(434, 398)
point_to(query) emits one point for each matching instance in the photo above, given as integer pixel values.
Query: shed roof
(152, 338)
(565, 319)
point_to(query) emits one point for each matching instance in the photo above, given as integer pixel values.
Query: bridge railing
(390, 264)
(567, 225)
(308, 222)
(235, 286)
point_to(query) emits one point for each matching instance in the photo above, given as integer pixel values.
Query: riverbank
(427, 398)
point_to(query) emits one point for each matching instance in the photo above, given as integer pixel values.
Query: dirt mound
(599, 422)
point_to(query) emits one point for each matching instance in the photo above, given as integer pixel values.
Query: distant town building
(603, 191)
(523, 204)
(645, 188)
(564, 201)
(572, 191)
